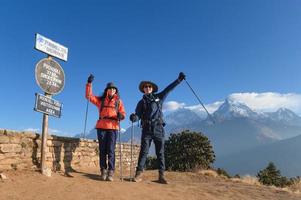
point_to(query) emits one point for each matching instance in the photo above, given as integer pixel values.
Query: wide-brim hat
(143, 83)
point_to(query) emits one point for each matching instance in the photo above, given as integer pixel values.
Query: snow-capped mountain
(182, 117)
(233, 109)
(234, 119)
(285, 115)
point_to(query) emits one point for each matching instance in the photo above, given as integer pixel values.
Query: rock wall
(22, 150)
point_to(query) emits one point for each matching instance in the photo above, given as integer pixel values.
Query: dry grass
(251, 180)
(208, 172)
(296, 187)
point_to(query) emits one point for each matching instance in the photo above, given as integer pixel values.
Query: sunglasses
(148, 86)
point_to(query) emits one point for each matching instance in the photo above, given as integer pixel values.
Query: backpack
(102, 99)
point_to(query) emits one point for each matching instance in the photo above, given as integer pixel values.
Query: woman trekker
(111, 112)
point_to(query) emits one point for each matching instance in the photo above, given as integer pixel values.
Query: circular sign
(50, 76)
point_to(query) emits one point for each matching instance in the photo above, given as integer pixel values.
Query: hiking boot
(138, 177)
(162, 179)
(110, 175)
(103, 174)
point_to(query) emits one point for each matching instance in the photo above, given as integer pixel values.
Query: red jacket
(109, 109)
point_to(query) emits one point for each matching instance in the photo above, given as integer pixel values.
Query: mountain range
(284, 153)
(233, 128)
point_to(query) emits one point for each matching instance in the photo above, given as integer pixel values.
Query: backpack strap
(117, 103)
(102, 104)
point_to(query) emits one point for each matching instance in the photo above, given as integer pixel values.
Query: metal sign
(50, 76)
(47, 105)
(51, 48)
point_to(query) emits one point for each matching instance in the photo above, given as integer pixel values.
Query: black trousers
(107, 142)
(156, 134)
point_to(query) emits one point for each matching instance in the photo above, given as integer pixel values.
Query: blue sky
(224, 47)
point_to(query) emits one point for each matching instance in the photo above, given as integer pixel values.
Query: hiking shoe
(138, 177)
(110, 176)
(103, 175)
(162, 179)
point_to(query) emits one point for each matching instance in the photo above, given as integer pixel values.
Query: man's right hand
(90, 78)
(181, 76)
(133, 117)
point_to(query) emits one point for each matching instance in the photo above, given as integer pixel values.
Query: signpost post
(44, 169)
(50, 77)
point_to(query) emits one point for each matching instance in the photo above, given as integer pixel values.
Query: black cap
(111, 85)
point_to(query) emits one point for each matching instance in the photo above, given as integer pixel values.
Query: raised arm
(162, 95)
(89, 94)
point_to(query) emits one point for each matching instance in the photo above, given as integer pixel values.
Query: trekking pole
(211, 118)
(87, 108)
(120, 153)
(131, 164)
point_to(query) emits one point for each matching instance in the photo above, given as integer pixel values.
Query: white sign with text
(51, 48)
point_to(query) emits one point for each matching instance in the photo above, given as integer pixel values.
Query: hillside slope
(285, 154)
(32, 185)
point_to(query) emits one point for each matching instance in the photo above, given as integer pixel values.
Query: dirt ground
(85, 184)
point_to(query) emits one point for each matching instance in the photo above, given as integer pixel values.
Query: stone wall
(22, 150)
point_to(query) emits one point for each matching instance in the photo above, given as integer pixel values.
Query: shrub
(236, 176)
(295, 184)
(272, 176)
(187, 150)
(223, 172)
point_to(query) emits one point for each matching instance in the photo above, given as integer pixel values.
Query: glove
(133, 117)
(120, 116)
(181, 76)
(91, 78)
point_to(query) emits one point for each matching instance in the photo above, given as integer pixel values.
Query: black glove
(181, 76)
(120, 116)
(133, 117)
(91, 78)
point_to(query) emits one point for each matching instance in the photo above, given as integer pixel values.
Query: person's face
(147, 89)
(111, 91)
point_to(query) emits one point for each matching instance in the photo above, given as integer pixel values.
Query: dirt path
(85, 184)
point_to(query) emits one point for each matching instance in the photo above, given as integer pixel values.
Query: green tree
(187, 150)
(272, 176)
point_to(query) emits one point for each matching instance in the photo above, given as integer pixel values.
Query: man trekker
(149, 110)
(111, 111)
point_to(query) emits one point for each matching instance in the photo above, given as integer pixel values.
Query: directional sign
(51, 48)
(50, 76)
(47, 105)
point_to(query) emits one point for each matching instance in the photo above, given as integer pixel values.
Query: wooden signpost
(50, 77)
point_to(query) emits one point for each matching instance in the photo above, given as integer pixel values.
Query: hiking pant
(107, 141)
(155, 134)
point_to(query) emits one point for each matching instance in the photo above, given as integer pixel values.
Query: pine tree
(271, 176)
